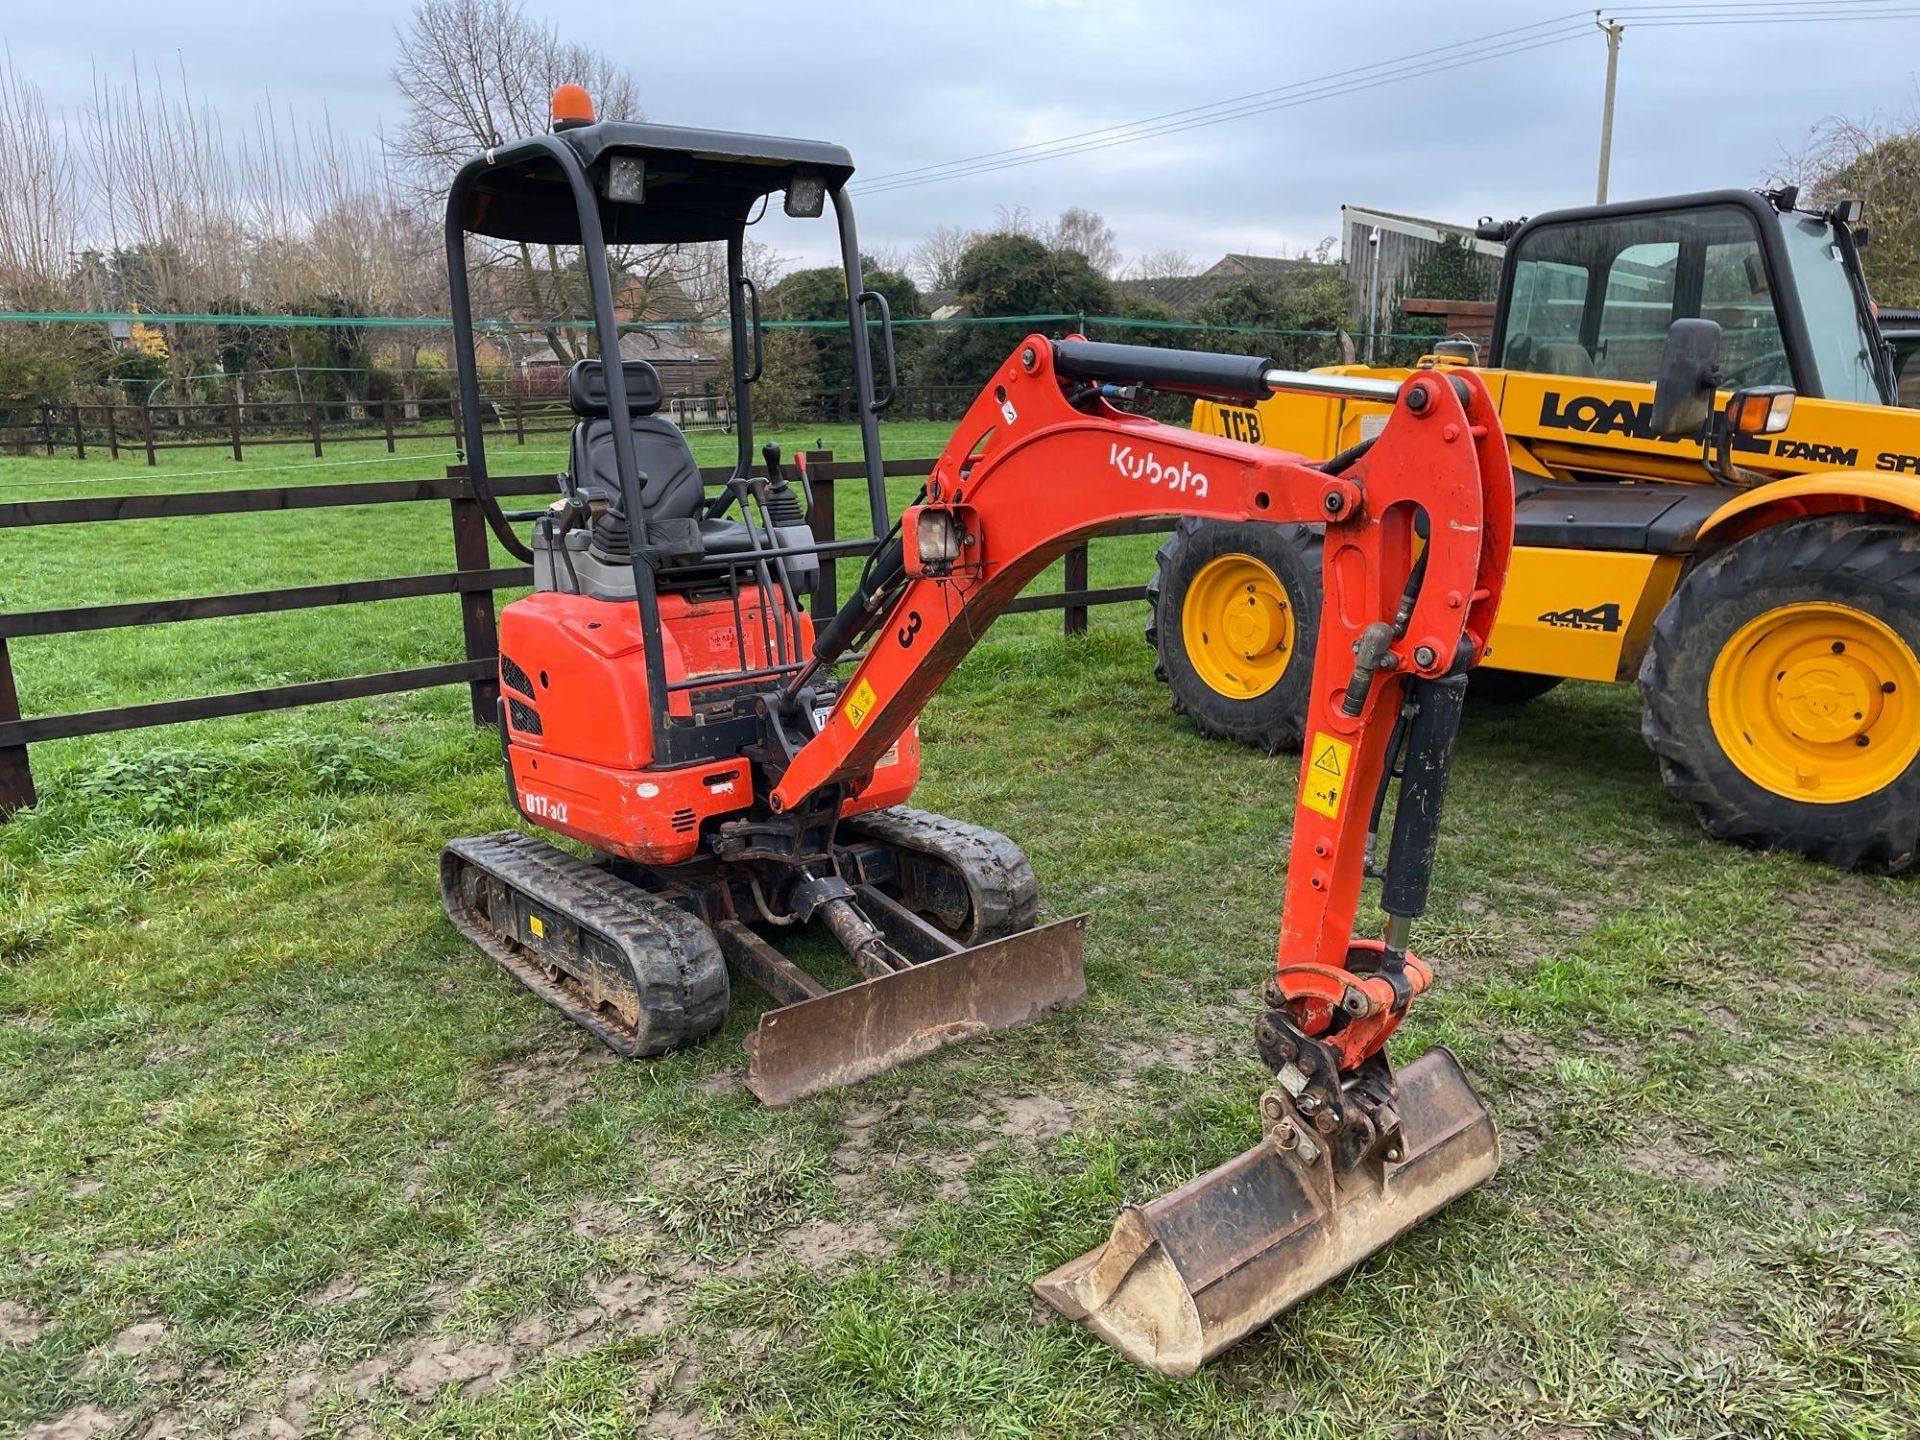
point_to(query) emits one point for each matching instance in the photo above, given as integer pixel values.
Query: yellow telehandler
(1764, 589)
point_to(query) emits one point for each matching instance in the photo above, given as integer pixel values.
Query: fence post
(16, 775)
(1075, 616)
(79, 434)
(313, 424)
(820, 520)
(113, 434)
(146, 431)
(46, 422)
(386, 419)
(233, 427)
(481, 633)
(519, 418)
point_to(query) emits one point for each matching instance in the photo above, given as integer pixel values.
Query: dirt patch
(1577, 915)
(600, 1220)
(341, 1290)
(1028, 1116)
(1180, 1051)
(676, 1425)
(631, 1304)
(822, 1244)
(472, 1367)
(138, 1339)
(546, 1085)
(80, 1424)
(1723, 1017)
(1731, 1337)
(19, 1325)
(1518, 1143)
(1672, 1161)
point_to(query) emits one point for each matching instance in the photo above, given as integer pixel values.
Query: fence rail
(232, 427)
(475, 579)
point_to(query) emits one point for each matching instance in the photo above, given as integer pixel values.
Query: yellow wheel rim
(1817, 702)
(1237, 623)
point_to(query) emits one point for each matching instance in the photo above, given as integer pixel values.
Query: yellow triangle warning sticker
(1325, 781)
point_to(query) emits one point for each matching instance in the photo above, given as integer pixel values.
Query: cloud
(905, 86)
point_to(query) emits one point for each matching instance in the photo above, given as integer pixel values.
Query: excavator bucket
(836, 1037)
(1193, 1272)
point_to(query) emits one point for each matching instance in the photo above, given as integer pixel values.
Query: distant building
(1184, 294)
(683, 349)
(1380, 252)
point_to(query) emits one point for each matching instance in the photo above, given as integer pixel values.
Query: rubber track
(679, 975)
(999, 878)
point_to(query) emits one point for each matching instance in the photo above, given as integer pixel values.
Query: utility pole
(1613, 30)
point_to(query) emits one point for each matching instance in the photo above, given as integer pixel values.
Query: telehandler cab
(668, 704)
(1760, 580)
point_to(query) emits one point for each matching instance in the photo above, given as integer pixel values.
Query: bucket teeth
(1191, 1273)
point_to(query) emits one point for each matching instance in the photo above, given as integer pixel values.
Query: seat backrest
(670, 487)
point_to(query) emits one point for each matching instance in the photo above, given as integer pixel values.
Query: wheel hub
(1817, 702)
(1238, 626)
(1827, 699)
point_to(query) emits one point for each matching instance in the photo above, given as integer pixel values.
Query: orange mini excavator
(667, 702)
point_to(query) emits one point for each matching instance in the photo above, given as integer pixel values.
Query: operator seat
(674, 531)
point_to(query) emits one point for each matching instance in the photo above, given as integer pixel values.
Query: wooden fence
(474, 578)
(232, 427)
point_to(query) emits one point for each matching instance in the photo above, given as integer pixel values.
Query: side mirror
(1689, 373)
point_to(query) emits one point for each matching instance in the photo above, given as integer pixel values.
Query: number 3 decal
(910, 629)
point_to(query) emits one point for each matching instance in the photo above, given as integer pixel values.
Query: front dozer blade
(1185, 1276)
(846, 1035)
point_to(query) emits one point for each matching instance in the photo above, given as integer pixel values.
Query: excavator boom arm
(1041, 462)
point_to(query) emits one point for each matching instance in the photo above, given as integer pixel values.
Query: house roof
(1184, 294)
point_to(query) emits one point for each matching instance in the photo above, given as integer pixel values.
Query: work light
(806, 192)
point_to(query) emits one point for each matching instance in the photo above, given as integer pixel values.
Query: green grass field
(279, 1154)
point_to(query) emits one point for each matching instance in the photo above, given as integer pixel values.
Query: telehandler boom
(667, 703)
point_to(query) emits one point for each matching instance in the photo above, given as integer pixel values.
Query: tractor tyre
(1508, 687)
(1781, 691)
(1235, 618)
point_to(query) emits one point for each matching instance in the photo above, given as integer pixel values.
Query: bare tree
(935, 262)
(1016, 220)
(479, 72)
(1088, 232)
(1163, 265)
(39, 200)
(1876, 162)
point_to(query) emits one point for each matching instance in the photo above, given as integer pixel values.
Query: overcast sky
(905, 84)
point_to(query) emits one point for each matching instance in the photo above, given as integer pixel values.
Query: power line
(1235, 100)
(1324, 92)
(1517, 40)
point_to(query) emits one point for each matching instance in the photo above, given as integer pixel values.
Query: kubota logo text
(1144, 466)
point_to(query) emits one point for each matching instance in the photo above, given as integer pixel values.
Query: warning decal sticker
(1328, 761)
(859, 703)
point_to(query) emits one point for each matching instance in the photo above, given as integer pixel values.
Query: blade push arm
(1041, 462)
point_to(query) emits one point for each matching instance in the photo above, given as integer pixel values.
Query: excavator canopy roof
(696, 184)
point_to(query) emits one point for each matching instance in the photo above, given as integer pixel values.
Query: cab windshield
(1594, 297)
(1845, 351)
